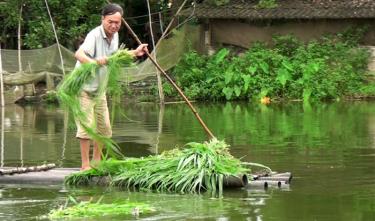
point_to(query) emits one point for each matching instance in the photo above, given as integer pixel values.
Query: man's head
(111, 18)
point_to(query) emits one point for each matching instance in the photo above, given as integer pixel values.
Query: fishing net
(36, 64)
(168, 52)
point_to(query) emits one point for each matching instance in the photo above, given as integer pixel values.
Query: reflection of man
(99, 43)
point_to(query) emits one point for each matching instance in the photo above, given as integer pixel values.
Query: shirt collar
(103, 32)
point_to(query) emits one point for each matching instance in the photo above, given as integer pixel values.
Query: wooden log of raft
(54, 176)
(266, 183)
(282, 179)
(273, 179)
(235, 181)
(228, 182)
(285, 177)
(18, 170)
(286, 174)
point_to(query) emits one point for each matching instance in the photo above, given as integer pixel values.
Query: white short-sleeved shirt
(95, 46)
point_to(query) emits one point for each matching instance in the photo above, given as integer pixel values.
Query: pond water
(329, 148)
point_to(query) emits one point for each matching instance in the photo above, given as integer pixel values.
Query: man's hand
(141, 50)
(101, 60)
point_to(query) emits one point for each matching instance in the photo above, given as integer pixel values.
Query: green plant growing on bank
(328, 68)
(266, 4)
(70, 88)
(218, 2)
(88, 209)
(197, 167)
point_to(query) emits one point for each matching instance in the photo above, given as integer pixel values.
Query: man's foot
(95, 163)
(85, 168)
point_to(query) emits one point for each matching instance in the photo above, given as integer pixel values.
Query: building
(242, 22)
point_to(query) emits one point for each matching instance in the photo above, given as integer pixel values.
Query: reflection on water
(330, 149)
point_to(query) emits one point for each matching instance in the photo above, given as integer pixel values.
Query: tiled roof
(289, 9)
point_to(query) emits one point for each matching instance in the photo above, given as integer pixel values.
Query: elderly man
(99, 44)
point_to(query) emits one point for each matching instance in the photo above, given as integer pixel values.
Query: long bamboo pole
(209, 133)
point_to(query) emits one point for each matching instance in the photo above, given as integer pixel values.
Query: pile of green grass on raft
(71, 87)
(88, 209)
(197, 167)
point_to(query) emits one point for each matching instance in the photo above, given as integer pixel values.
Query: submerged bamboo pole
(2, 136)
(209, 133)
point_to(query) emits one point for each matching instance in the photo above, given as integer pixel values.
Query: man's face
(111, 23)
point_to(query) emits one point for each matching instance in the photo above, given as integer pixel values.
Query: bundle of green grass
(88, 209)
(196, 167)
(72, 85)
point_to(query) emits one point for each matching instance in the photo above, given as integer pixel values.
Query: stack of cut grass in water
(197, 167)
(71, 87)
(88, 209)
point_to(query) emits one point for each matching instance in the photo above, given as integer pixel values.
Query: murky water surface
(330, 149)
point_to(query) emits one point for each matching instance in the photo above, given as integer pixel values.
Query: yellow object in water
(265, 100)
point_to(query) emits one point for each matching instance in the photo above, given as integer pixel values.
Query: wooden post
(1, 81)
(50, 84)
(19, 89)
(2, 111)
(208, 37)
(19, 41)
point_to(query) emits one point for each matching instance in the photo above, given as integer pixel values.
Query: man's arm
(83, 58)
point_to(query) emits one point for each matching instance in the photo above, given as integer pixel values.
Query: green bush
(328, 68)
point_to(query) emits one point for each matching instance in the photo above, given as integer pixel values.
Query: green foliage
(73, 22)
(266, 4)
(199, 166)
(328, 68)
(88, 209)
(218, 2)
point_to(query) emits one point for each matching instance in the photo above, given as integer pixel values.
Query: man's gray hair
(111, 9)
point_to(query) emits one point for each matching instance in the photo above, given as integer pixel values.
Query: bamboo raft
(45, 174)
(48, 174)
